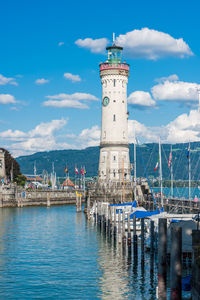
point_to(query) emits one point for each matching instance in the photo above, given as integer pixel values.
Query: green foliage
(20, 180)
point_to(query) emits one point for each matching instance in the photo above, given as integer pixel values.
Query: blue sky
(40, 41)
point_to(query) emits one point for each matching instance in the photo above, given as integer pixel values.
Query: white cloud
(7, 80)
(70, 101)
(60, 44)
(95, 46)
(90, 137)
(175, 91)
(41, 138)
(141, 99)
(152, 44)
(184, 128)
(7, 99)
(73, 78)
(12, 135)
(41, 81)
(172, 77)
(144, 133)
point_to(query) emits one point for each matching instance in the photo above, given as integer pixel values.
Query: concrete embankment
(12, 197)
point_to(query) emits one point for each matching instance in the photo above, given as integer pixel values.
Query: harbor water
(55, 253)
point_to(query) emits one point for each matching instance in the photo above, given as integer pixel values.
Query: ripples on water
(53, 253)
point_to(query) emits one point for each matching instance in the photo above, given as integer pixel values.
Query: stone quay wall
(14, 197)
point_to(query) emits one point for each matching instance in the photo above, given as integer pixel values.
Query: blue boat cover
(144, 214)
(122, 204)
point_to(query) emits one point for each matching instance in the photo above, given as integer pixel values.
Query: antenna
(113, 38)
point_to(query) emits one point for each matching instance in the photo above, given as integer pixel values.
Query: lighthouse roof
(114, 47)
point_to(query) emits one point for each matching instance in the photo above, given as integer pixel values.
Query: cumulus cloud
(60, 44)
(7, 80)
(141, 99)
(12, 135)
(41, 81)
(185, 128)
(172, 77)
(41, 138)
(175, 91)
(94, 45)
(152, 44)
(90, 137)
(73, 78)
(7, 99)
(70, 101)
(145, 133)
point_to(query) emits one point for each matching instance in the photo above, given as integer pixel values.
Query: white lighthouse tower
(114, 163)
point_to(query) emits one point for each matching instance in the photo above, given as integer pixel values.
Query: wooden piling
(123, 227)
(176, 263)
(108, 222)
(162, 259)
(115, 225)
(88, 206)
(142, 238)
(152, 237)
(119, 227)
(195, 264)
(134, 236)
(129, 235)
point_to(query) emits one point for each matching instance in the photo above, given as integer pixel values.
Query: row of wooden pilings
(105, 217)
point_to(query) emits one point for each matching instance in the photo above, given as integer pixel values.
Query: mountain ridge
(147, 156)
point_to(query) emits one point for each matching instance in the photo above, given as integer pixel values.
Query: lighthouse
(114, 162)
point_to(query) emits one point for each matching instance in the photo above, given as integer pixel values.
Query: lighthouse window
(114, 118)
(114, 82)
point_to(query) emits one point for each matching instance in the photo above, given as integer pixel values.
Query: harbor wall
(14, 197)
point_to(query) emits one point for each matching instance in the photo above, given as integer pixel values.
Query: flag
(76, 170)
(156, 167)
(170, 160)
(82, 171)
(66, 169)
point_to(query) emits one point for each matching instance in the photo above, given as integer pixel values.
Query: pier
(13, 196)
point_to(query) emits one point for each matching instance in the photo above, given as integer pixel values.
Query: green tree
(20, 180)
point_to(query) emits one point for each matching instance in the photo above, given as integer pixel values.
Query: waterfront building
(114, 162)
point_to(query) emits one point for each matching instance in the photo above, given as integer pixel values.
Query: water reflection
(125, 273)
(57, 253)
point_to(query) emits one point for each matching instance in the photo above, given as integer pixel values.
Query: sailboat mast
(123, 184)
(160, 169)
(189, 162)
(135, 182)
(171, 175)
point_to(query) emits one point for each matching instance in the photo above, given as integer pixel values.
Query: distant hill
(147, 156)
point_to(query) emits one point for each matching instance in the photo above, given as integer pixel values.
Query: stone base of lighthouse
(114, 163)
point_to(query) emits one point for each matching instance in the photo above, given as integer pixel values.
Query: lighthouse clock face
(106, 101)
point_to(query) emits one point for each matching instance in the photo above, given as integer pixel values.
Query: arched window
(114, 82)
(114, 118)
